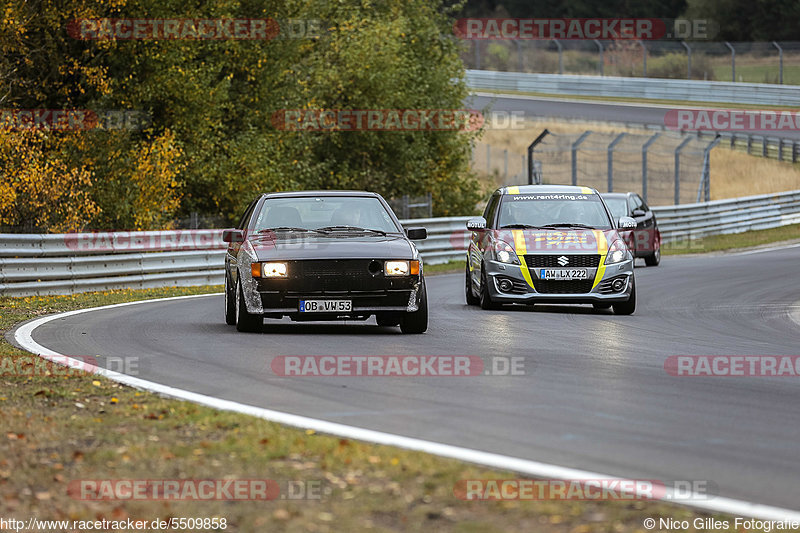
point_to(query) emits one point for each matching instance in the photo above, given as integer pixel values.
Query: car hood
(315, 246)
(558, 241)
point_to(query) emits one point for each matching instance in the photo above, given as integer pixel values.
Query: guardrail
(761, 94)
(77, 262)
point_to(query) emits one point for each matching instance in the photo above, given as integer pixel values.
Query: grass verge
(735, 241)
(59, 429)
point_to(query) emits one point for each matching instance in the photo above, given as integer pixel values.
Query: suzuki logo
(563, 260)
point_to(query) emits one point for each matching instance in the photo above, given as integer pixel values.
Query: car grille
(350, 268)
(551, 260)
(551, 286)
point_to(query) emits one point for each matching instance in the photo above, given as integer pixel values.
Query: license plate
(563, 273)
(326, 306)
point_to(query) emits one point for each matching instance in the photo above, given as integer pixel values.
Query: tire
(470, 296)
(388, 320)
(626, 308)
(601, 306)
(417, 322)
(653, 259)
(245, 321)
(486, 299)
(230, 304)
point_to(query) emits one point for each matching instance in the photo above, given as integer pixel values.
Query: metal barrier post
(536, 141)
(574, 153)
(560, 56)
(733, 60)
(780, 60)
(645, 147)
(611, 161)
(688, 60)
(678, 169)
(602, 57)
(705, 180)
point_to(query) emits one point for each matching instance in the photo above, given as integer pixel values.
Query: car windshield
(331, 213)
(617, 206)
(548, 209)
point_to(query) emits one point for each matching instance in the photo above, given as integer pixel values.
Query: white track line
(24, 337)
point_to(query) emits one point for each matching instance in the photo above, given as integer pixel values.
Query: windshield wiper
(519, 226)
(583, 226)
(287, 228)
(328, 229)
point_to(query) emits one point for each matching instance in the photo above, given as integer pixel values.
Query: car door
(234, 247)
(645, 224)
(479, 240)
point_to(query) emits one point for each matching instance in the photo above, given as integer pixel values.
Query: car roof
(615, 194)
(299, 194)
(547, 189)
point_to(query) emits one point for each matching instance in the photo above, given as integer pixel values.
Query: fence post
(602, 57)
(749, 143)
(733, 60)
(645, 147)
(678, 169)
(518, 43)
(780, 60)
(536, 141)
(688, 60)
(574, 152)
(560, 56)
(644, 58)
(705, 180)
(764, 146)
(611, 146)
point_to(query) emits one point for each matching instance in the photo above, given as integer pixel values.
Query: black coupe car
(324, 255)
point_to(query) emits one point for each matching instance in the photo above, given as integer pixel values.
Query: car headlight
(401, 268)
(617, 252)
(505, 253)
(268, 270)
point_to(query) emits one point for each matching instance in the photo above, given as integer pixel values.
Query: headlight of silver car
(505, 253)
(617, 252)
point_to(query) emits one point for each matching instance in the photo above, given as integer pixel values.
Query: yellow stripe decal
(513, 190)
(586, 190)
(602, 249)
(521, 248)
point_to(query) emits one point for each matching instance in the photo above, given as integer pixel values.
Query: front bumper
(595, 290)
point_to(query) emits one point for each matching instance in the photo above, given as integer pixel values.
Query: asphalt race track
(595, 395)
(596, 111)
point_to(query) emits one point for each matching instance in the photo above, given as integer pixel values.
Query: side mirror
(476, 224)
(639, 213)
(417, 234)
(626, 223)
(232, 235)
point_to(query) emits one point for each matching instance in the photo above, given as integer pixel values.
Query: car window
(642, 205)
(491, 209)
(246, 217)
(617, 206)
(323, 211)
(540, 209)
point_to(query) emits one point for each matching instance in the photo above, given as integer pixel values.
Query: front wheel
(417, 322)
(245, 321)
(653, 259)
(486, 298)
(470, 296)
(230, 303)
(627, 308)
